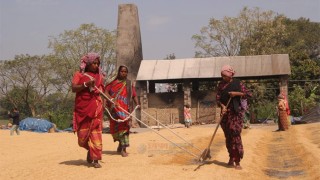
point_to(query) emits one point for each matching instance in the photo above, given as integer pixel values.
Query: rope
(105, 96)
(121, 120)
(171, 130)
(192, 154)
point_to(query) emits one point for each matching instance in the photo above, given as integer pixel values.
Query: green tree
(267, 38)
(26, 81)
(71, 45)
(299, 103)
(303, 45)
(224, 37)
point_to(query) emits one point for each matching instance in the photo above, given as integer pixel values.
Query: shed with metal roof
(189, 72)
(199, 68)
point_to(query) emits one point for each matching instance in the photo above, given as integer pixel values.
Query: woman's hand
(114, 102)
(90, 83)
(223, 110)
(117, 104)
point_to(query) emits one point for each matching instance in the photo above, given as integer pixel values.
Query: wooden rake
(206, 153)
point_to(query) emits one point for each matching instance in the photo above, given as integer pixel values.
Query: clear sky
(166, 25)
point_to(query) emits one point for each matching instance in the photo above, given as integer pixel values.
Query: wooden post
(156, 114)
(172, 118)
(198, 111)
(301, 108)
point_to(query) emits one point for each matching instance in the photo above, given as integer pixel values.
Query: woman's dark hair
(119, 69)
(121, 66)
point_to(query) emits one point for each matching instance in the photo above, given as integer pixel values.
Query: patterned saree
(88, 117)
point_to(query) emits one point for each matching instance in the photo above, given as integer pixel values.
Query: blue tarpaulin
(36, 125)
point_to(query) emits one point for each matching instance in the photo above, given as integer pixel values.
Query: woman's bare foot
(96, 164)
(231, 163)
(124, 152)
(238, 167)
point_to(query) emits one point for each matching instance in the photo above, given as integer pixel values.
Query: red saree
(122, 92)
(88, 116)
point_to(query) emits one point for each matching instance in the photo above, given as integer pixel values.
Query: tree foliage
(40, 86)
(299, 102)
(303, 45)
(26, 81)
(71, 45)
(267, 38)
(224, 37)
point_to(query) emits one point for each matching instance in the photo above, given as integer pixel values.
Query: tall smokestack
(129, 48)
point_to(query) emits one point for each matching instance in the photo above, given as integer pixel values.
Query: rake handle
(215, 131)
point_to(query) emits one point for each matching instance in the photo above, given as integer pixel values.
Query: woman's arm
(76, 87)
(136, 101)
(134, 94)
(234, 93)
(110, 98)
(243, 93)
(80, 87)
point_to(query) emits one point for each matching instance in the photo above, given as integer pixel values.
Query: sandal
(89, 160)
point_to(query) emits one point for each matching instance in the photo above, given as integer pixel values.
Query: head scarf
(88, 60)
(227, 70)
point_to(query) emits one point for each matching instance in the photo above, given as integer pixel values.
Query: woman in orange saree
(283, 122)
(88, 109)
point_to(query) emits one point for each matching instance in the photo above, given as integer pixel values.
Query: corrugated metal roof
(193, 68)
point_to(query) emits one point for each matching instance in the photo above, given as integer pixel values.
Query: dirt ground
(292, 154)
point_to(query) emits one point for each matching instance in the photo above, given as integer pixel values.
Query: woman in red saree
(88, 110)
(232, 115)
(121, 91)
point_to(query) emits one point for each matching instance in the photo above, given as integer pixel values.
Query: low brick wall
(168, 108)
